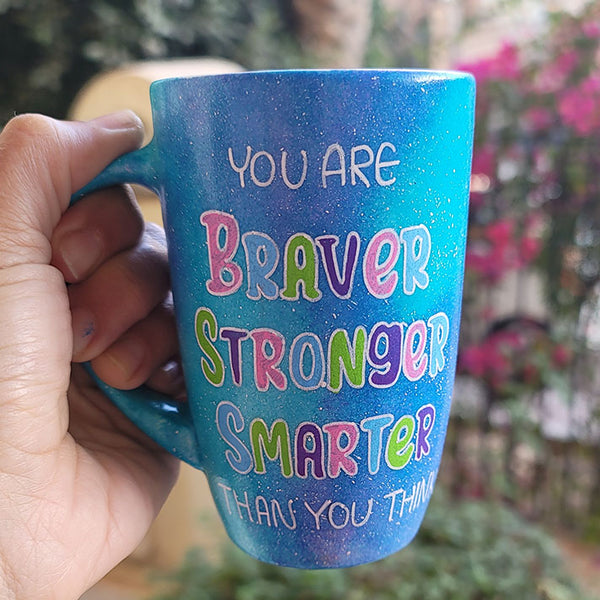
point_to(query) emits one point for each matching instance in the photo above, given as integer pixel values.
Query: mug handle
(166, 421)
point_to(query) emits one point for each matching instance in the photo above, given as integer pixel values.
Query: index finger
(42, 163)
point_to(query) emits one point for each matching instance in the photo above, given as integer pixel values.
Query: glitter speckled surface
(316, 225)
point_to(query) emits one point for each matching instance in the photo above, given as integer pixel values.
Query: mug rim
(416, 75)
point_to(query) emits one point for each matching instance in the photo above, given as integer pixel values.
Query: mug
(316, 225)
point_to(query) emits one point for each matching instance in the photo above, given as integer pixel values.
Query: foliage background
(535, 212)
(50, 48)
(55, 46)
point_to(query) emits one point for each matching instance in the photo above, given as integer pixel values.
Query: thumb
(42, 163)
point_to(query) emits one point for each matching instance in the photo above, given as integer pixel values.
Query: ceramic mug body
(316, 224)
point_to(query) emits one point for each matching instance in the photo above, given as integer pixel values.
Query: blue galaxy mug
(316, 225)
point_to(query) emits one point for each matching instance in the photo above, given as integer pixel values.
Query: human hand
(79, 484)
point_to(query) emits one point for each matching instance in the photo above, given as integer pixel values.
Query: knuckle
(29, 145)
(27, 129)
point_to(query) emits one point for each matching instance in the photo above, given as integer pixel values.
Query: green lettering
(300, 268)
(274, 444)
(399, 447)
(340, 356)
(212, 363)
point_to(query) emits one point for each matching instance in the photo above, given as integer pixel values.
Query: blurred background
(517, 509)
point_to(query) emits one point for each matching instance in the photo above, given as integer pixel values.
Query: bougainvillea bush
(535, 201)
(530, 432)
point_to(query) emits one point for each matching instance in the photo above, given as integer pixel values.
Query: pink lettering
(269, 346)
(380, 277)
(226, 275)
(415, 359)
(339, 452)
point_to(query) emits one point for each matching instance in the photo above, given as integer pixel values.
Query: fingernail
(84, 327)
(169, 380)
(81, 251)
(173, 375)
(123, 119)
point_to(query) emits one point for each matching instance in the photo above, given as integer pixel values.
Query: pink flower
(500, 232)
(566, 63)
(488, 361)
(481, 69)
(579, 107)
(530, 244)
(496, 254)
(506, 63)
(591, 85)
(484, 161)
(591, 29)
(473, 361)
(499, 368)
(553, 76)
(485, 264)
(504, 66)
(561, 356)
(538, 118)
(529, 249)
(576, 111)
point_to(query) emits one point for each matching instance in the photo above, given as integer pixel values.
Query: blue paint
(316, 224)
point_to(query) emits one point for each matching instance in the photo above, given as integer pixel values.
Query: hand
(79, 484)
